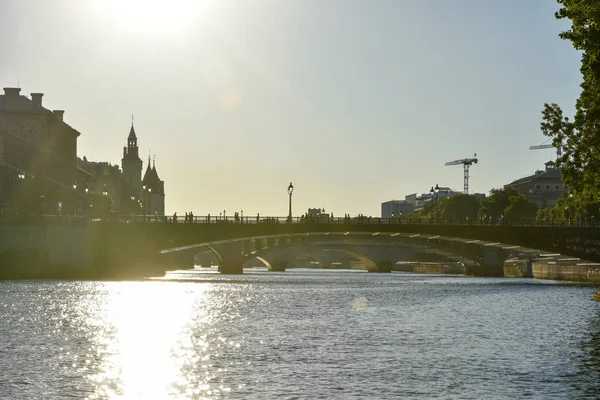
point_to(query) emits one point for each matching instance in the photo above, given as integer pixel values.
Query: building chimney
(59, 114)
(12, 93)
(37, 99)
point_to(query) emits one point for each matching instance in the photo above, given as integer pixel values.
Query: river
(301, 334)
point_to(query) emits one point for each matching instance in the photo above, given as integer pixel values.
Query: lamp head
(290, 188)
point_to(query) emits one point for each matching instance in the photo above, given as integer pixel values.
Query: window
(547, 187)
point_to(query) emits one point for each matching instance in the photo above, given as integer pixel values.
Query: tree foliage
(460, 207)
(493, 207)
(519, 208)
(580, 138)
(101, 206)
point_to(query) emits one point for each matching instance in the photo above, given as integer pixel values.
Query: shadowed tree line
(504, 205)
(501, 205)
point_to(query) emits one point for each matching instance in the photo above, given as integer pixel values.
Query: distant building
(131, 195)
(154, 189)
(395, 208)
(38, 158)
(543, 188)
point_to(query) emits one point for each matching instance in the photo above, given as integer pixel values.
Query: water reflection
(590, 360)
(147, 339)
(302, 334)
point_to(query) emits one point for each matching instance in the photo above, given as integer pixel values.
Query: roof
(132, 133)
(550, 174)
(22, 103)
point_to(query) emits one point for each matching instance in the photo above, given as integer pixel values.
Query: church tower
(131, 162)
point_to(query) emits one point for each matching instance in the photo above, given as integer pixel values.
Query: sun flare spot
(152, 16)
(360, 304)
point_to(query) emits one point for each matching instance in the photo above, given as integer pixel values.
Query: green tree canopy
(101, 206)
(519, 208)
(494, 206)
(580, 138)
(459, 207)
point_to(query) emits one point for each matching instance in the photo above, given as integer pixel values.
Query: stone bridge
(81, 249)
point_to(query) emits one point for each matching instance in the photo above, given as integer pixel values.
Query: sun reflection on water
(147, 341)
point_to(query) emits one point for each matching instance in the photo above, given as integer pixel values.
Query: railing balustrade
(253, 220)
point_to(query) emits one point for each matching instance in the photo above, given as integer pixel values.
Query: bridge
(78, 248)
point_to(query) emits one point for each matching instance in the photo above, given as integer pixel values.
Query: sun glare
(152, 16)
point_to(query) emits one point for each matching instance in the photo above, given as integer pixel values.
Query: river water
(302, 334)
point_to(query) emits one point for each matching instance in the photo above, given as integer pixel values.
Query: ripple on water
(299, 334)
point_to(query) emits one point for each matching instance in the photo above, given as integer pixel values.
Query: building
(38, 158)
(395, 208)
(130, 194)
(153, 190)
(543, 188)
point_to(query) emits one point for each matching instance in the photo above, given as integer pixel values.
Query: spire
(154, 162)
(132, 132)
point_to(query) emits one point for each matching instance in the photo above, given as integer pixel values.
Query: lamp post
(290, 190)
(144, 202)
(570, 207)
(105, 201)
(149, 203)
(75, 198)
(87, 200)
(432, 191)
(21, 177)
(437, 197)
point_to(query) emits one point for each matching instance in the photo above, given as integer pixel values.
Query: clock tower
(131, 162)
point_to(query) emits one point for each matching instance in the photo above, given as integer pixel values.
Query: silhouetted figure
(257, 218)
(175, 218)
(208, 218)
(191, 218)
(186, 218)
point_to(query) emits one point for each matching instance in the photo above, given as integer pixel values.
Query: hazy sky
(355, 102)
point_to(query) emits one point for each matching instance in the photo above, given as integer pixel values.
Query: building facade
(153, 189)
(38, 158)
(543, 188)
(129, 193)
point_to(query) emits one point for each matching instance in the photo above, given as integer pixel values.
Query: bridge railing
(229, 219)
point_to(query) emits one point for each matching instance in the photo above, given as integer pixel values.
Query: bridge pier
(383, 266)
(231, 260)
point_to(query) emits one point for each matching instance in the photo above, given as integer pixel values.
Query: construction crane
(466, 162)
(547, 146)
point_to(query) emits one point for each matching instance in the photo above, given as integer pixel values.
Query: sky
(356, 102)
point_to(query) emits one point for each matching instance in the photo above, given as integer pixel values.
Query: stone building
(153, 189)
(543, 188)
(129, 193)
(38, 158)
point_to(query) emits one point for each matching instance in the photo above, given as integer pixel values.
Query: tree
(460, 207)
(494, 206)
(102, 206)
(519, 208)
(580, 139)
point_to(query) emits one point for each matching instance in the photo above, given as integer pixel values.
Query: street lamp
(290, 190)
(437, 197)
(144, 202)
(75, 198)
(87, 200)
(432, 191)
